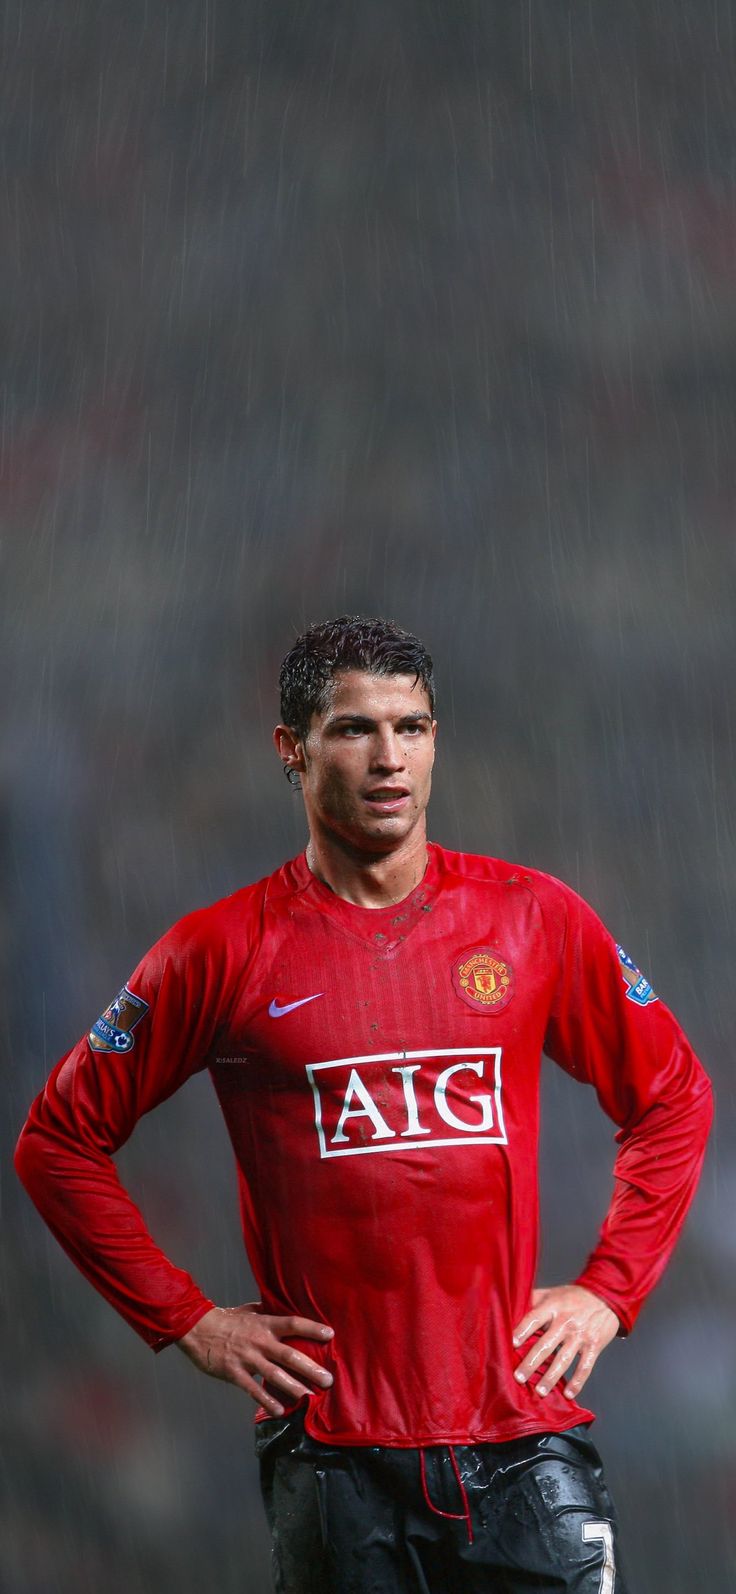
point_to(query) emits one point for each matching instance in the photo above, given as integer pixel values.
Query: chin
(384, 834)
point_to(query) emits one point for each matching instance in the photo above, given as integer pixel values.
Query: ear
(289, 749)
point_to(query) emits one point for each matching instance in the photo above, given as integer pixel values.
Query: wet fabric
(379, 1072)
(350, 1520)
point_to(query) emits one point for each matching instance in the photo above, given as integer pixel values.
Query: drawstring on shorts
(452, 1516)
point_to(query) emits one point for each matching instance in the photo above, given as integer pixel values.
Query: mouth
(387, 799)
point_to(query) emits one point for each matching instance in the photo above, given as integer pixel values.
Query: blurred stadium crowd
(420, 309)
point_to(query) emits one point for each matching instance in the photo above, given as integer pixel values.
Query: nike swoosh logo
(275, 1011)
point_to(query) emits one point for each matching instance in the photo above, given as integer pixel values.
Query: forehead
(375, 696)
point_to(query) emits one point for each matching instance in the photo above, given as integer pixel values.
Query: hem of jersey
(495, 1433)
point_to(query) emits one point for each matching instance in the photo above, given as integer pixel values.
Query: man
(373, 1017)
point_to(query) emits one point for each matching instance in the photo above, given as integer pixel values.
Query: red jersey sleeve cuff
(161, 1341)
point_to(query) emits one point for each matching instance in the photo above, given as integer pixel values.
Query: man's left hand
(576, 1323)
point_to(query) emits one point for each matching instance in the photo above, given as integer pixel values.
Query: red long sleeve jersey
(378, 1070)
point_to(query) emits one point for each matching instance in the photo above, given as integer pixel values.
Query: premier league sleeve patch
(640, 991)
(113, 1031)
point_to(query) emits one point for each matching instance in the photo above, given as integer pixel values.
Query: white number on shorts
(602, 1532)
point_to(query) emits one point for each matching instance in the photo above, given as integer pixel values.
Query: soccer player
(373, 1017)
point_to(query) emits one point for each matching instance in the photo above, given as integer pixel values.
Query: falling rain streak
(393, 308)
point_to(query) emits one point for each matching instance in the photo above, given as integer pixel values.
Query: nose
(387, 752)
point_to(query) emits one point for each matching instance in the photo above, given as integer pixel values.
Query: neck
(370, 880)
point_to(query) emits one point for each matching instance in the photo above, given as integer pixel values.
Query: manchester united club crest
(484, 980)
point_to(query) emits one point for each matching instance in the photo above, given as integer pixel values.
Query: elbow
(31, 1160)
(698, 1112)
(709, 1104)
(702, 1096)
(24, 1159)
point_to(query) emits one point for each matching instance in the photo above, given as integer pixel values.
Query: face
(366, 763)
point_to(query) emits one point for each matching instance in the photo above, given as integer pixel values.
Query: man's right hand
(241, 1344)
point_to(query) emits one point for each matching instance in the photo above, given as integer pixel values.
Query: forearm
(656, 1173)
(77, 1190)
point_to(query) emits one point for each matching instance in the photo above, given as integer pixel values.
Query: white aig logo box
(391, 1101)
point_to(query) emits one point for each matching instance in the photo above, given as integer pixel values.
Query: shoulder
(231, 926)
(555, 902)
(484, 870)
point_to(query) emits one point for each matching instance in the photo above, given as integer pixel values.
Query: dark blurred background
(419, 307)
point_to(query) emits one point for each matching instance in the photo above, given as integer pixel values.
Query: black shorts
(523, 1517)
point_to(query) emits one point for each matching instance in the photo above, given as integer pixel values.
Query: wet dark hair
(349, 643)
